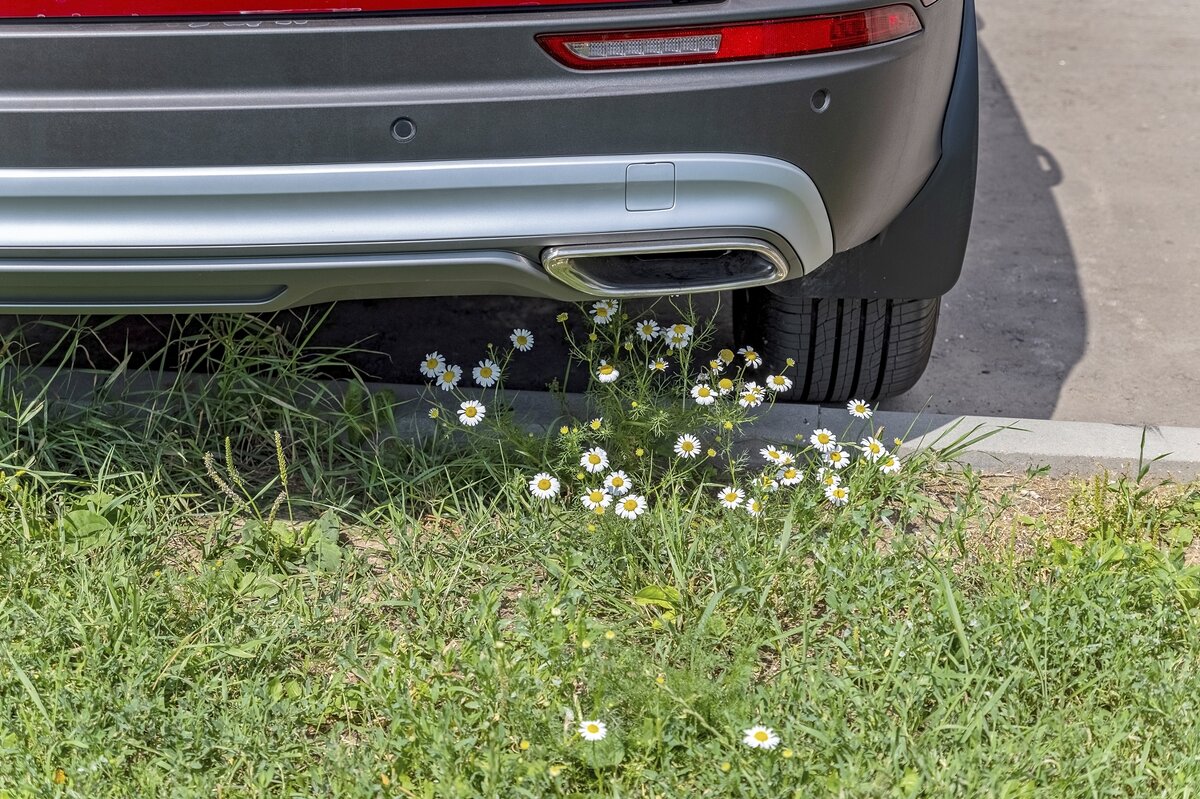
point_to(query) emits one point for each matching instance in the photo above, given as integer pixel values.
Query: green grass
(397, 617)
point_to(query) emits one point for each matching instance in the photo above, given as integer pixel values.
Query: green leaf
(86, 522)
(658, 596)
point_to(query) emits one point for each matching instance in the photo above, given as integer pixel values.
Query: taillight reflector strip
(740, 41)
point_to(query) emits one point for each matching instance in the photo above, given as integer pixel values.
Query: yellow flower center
(431, 363)
(606, 370)
(761, 736)
(596, 496)
(593, 729)
(544, 484)
(789, 474)
(521, 341)
(485, 373)
(596, 424)
(594, 459)
(687, 446)
(823, 439)
(705, 391)
(470, 411)
(731, 497)
(447, 377)
(631, 504)
(726, 384)
(726, 356)
(617, 482)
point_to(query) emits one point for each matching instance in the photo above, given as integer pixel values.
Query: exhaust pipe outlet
(651, 269)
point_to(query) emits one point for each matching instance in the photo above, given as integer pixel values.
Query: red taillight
(742, 41)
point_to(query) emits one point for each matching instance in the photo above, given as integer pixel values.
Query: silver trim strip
(569, 264)
(66, 229)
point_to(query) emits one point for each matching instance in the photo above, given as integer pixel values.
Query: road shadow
(1015, 325)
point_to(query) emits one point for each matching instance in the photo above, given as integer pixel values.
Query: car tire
(843, 348)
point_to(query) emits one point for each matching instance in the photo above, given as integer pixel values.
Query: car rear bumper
(212, 164)
(262, 238)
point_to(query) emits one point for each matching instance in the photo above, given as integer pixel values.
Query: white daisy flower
(873, 449)
(596, 498)
(618, 483)
(760, 738)
(449, 377)
(647, 329)
(687, 446)
(659, 365)
(471, 412)
(604, 311)
(753, 359)
(595, 460)
(779, 382)
(731, 497)
(828, 477)
(751, 395)
(837, 458)
(433, 365)
(593, 730)
(544, 486)
(786, 458)
(703, 394)
(679, 329)
(522, 339)
(768, 483)
(889, 464)
(715, 367)
(755, 507)
(790, 476)
(677, 342)
(607, 373)
(631, 507)
(837, 494)
(725, 386)
(823, 440)
(486, 373)
(859, 409)
(772, 453)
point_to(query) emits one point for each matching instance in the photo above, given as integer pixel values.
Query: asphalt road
(1078, 297)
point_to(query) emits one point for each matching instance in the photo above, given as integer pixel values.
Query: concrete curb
(1000, 444)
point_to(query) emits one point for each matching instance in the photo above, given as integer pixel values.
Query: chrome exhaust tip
(654, 268)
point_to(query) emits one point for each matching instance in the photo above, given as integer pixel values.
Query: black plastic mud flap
(920, 254)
